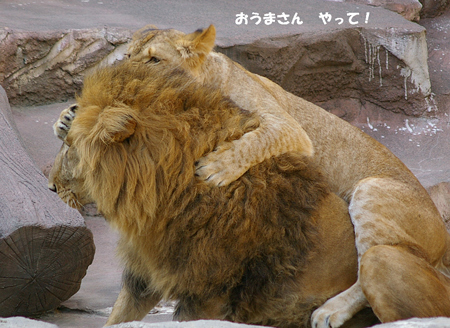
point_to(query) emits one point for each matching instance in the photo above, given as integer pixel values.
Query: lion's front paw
(63, 124)
(325, 317)
(219, 168)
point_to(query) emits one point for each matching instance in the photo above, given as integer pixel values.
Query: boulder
(433, 8)
(411, 323)
(383, 62)
(331, 51)
(186, 324)
(21, 322)
(409, 9)
(45, 67)
(417, 323)
(412, 10)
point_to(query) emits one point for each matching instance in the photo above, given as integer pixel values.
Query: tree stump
(45, 246)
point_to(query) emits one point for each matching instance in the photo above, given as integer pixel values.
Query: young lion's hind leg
(135, 300)
(400, 285)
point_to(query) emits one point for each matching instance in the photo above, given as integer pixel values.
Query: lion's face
(136, 127)
(62, 178)
(170, 47)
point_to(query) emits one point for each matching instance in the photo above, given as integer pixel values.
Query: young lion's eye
(153, 60)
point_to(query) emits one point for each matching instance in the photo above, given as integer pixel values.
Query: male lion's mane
(245, 242)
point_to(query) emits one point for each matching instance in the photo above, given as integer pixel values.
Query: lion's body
(259, 250)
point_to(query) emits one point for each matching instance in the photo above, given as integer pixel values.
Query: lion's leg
(63, 124)
(191, 308)
(400, 285)
(135, 300)
(337, 310)
(386, 211)
(277, 134)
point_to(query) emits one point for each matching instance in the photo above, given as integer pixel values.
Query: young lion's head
(171, 47)
(137, 128)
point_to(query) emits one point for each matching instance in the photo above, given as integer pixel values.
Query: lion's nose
(52, 187)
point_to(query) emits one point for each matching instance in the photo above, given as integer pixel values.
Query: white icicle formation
(410, 49)
(372, 56)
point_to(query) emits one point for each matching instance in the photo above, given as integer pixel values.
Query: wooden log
(45, 246)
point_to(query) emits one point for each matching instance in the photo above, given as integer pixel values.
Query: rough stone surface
(387, 67)
(382, 59)
(438, 40)
(48, 66)
(417, 323)
(409, 9)
(433, 8)
(188, 324)
(21, 322)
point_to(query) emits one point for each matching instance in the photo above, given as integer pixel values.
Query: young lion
(388, 207)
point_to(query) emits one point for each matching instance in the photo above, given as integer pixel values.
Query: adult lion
(260, 250)
(391, 212)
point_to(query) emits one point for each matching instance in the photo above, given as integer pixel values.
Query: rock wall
(433, 8)
(382, 66)
(45, 67)
(383, 63)
(412, 10)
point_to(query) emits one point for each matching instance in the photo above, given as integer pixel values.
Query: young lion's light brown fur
(259, 250)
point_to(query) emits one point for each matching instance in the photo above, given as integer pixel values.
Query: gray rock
(381, 60)
(49, 66)
(21, 322)
(433, 8)
(417, 323)
(187, 324)
(409, 9)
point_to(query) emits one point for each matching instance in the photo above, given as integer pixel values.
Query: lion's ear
(115, 125)
(201, 42)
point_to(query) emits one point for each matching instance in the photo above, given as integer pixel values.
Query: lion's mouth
(70, 198)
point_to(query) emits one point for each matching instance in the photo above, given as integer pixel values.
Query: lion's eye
(153, 60)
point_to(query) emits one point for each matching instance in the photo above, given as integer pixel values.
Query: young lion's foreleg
(135, 300)
(399, 284)
(277, 134)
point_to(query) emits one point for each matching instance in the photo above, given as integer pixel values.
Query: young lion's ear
(115, 125)
(199, 43)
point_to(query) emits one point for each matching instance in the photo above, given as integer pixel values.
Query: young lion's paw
(219, 168)
(63, 124)
(328, 318)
